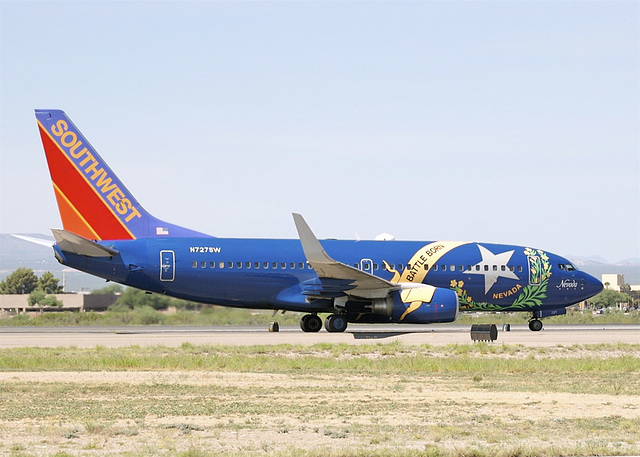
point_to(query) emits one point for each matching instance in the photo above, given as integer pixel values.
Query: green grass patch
(120, 315)
(573, 369)
(573, 317)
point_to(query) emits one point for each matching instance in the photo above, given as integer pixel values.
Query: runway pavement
(87, 337)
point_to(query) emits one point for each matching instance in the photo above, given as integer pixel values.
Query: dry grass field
(326, 399)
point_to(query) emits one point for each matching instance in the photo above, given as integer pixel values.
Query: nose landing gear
(535, 325)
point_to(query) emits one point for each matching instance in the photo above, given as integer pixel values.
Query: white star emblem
(491, 267)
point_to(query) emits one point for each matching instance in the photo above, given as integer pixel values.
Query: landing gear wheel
(335, 323)
(274, 327)
(535, 325)
(310, 323)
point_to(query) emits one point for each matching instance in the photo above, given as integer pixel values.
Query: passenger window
(426, 266)
(221, 264)
(519, 268)
(301, 265)
(203, 264)
(486, 268)
(265, 265)
(239, 264)
(400, 267)
(256, 265)
(444, 268)
(435, 267)
(292, 266)
(511, 268)
(503, 268)
(408, 266)
(230, 264)
(194, 264)
(247, 265)
(452, 268)
(495, 268)
(283, 265)
(274, 265)
(375, 266)
(212, 264)
(460, 267)
(477, 267)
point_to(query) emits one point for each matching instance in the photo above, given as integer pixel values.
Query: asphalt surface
(86, 337)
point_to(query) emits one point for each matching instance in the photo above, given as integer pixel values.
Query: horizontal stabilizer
(30, 239)
(70, 242)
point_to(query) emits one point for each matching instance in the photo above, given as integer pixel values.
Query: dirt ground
(201, 413)
(280, 412)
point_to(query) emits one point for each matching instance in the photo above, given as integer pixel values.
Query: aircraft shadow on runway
(376, 335)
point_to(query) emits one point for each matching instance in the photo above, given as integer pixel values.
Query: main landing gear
(334, 323)
(310, 323)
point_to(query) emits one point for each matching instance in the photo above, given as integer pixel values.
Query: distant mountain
(631, 262)
(597, 266)
(597, 260)
(15, 253)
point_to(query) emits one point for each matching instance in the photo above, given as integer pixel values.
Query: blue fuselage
(274, 274)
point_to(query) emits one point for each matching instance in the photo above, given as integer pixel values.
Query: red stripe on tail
(82, 210)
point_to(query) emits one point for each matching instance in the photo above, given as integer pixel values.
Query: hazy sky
(501, 121)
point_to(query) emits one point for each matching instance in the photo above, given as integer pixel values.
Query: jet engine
(424, 304)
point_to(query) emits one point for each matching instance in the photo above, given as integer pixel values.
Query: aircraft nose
(591, 286)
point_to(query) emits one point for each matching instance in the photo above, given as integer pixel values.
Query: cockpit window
(567, 266)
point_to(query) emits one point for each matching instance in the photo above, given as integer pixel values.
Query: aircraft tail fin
(92, 201)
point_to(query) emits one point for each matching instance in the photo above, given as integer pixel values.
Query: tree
(36, 297)
(49, 284)
(39, 298)
(110, 289)
(21, 281)
(136, 298)
(609, 298)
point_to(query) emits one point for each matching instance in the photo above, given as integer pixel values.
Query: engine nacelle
(424, 304)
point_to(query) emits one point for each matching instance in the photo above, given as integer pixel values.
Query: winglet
(313, 250)
(366, 285)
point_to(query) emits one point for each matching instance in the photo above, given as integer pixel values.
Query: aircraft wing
(358, 283)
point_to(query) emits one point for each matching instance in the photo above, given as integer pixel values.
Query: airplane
(107, 233)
